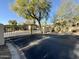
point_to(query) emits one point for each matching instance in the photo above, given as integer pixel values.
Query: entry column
(2, 34)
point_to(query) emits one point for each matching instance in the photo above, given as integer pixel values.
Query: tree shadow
(55, 47)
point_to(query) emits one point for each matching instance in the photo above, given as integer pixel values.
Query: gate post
(2, 34)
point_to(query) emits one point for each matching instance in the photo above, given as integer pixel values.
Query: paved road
(53, 47)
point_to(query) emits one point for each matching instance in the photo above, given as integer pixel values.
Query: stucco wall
(1, 34)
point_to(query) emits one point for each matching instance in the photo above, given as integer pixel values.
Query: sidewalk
(15, 53)
(4, 52)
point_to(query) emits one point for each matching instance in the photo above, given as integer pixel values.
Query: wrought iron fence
(22, 30)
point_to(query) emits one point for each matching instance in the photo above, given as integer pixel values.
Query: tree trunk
(40, 27)
(31, 29)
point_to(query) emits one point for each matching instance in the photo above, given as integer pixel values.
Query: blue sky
(6, 13)
(54, 8)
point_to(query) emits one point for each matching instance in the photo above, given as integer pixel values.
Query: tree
(60, 25)
(13, 24)
(32, 9)
(65, 7)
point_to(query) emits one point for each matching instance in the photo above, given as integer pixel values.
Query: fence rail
(17, 33)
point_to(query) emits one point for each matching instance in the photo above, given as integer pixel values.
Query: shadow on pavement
(54, 47)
